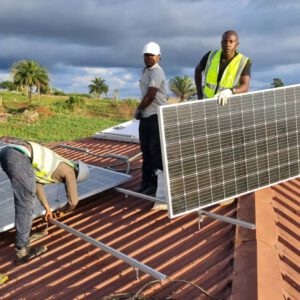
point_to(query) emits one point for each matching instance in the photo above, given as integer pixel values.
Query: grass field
(59, 118)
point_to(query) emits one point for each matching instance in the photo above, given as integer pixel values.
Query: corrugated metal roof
(210, 257)
(286, 205)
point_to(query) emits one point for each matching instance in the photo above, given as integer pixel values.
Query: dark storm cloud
(106, 32)
(111, 33)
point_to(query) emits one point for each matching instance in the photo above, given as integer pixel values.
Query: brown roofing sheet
(286, 207)
(73, 269)
(228, 263)
(267, 261)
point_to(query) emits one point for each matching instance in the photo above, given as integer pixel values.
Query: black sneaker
(25, 254)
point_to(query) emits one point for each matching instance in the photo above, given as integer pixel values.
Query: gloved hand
(138, 113)
(223, 96)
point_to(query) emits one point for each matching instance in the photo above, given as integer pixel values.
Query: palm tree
(98, 87)
(277, 82)
(8, 85)
(183, 87)
(29, 74)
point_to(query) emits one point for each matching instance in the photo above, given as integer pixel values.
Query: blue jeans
(18, 168)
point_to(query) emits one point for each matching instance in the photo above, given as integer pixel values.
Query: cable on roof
(137, 295)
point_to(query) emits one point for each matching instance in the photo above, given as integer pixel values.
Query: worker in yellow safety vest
(226, 71)
(29, 167)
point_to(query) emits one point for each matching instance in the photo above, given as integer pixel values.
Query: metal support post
(137, 273)
(200, 219)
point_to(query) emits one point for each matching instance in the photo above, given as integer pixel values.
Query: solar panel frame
(209, 136)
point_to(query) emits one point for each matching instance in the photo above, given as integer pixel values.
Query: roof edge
(268, 261)
(244, 280)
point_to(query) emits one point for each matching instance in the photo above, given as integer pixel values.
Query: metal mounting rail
(227, 219)
(139, 195)
(87, 151)
(200, 211)
(131, 261)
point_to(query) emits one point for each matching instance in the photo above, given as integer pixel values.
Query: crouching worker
(29, 166)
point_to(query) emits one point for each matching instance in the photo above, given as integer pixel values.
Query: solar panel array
(212, 153)
(99, 180)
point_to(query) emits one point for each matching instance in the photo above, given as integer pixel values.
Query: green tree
(29, 74)
(183, 87)
(98, 87)
(8, 85)
(277, 82)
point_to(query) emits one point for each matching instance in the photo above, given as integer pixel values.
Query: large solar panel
(212, 153)
(99, 180)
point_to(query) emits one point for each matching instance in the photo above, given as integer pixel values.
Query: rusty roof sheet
(286, 208)
(222, 260)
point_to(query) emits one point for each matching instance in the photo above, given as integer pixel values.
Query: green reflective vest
(230, 78)
(45, 162)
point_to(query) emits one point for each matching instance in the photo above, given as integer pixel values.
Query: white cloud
(5, 76)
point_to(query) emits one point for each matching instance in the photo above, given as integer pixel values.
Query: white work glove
(223, 96)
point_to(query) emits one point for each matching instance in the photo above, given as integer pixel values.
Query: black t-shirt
(203, 62)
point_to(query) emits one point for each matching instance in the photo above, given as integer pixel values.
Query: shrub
(70, 104)
(57, 92)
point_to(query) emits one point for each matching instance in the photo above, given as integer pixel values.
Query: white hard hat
(83, 171)
(152, 48)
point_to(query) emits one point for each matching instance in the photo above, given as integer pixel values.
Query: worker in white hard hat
(153, 94)
(29, 167)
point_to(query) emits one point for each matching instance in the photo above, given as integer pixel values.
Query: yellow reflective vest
(45, 162)
(230, 78)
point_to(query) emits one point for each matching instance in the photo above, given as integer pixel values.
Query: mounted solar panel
(212, 153)
(99, 180)
(124, 132)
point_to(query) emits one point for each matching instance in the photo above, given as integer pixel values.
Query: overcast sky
(78, 40)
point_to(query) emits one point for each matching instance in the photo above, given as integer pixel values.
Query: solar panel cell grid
(217, 152)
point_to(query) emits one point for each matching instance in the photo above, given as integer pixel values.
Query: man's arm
(66, 174)
(40, 193)
(198, 74)
(244, 85)
(244, 82)
(71, 187)
(149, 97)
(198, 81)
(222, 97)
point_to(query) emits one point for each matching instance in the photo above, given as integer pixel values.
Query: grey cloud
(111, 34)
